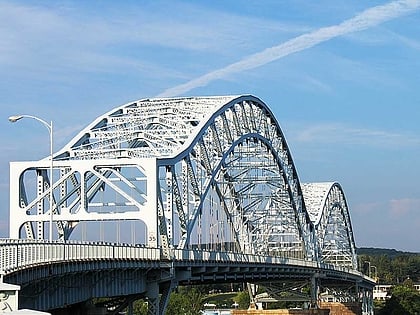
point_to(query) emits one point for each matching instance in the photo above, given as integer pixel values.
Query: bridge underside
(64, 285)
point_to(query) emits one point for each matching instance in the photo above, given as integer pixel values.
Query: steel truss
(329, 212)
(198, 172)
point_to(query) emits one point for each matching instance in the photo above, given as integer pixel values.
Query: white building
(382, 292)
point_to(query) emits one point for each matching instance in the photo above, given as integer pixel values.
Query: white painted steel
(212, 174)
(23, 254)
(328, 210)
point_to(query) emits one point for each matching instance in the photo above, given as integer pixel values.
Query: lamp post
(49, 126)
(376, 272)
(368, 269)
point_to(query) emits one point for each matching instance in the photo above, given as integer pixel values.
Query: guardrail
(21, 254)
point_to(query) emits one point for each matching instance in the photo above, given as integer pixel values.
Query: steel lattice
(196, 172)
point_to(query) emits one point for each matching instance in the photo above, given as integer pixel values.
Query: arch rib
(329, 212)
(209, 169)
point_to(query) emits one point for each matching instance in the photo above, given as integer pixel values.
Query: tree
(187, 301)
(242, 298)
(392, 266)
(140, 307)
(405, 300)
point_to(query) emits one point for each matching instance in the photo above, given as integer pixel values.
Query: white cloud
(55, 31)
(368, 18)
(368, 208)
(388, 223)
(414, 44)
(348, 135)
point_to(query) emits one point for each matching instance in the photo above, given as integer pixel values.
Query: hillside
(392, 253)
(389, 265)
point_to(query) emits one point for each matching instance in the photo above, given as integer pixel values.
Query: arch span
(329, 212)
(236, 170)
(199, 172)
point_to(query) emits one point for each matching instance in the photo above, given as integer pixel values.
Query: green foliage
(242, 298)
(280, 305)
(392, 267)
(391, 253)
(140, 307)
(187, 301)
(405, 300)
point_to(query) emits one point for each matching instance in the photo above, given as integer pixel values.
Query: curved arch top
(144, 128)
(213, 169)
(329, 212)
(315, 195)
(177, 130)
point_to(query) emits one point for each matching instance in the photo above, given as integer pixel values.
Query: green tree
(391, 266)
(242, 298)
(405, 300)
(140, 307)
(187, 301)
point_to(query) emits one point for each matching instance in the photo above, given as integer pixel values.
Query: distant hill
(391, 253)
(390, 266)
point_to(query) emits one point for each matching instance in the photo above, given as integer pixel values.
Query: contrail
(363, 20)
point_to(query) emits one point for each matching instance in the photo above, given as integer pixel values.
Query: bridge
(176, 191)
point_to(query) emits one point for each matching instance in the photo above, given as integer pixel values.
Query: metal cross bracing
(193, 172)
(329, 212)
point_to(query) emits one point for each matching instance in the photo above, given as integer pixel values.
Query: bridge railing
(21, 254)
(203, 255)
(211, 256)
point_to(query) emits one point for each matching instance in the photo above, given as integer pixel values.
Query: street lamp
(49, 126)
(366, 262)
(376, 272)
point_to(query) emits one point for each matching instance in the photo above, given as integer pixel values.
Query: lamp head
(15, 118)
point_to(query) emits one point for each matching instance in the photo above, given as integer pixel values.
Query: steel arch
(329, 212)
(237, 145)
(199, 172)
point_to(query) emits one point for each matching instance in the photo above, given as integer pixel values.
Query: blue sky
(342, 78)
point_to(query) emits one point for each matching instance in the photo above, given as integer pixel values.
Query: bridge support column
(314, 291)
(130, 308)
(158, 296)
(367, 301)
(152, 294)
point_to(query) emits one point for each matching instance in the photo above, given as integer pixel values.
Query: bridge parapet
(38, 263)
(25, 254)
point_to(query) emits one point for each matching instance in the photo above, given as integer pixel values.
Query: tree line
(389, 266)
(399, 269)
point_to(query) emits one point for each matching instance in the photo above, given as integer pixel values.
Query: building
(383, 291)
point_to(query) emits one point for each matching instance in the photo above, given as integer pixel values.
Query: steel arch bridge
(194, 173)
